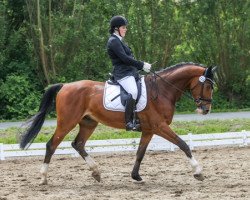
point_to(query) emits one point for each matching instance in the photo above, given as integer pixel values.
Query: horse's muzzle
(203, 109)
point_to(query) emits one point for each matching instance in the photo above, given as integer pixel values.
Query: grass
(11, 135)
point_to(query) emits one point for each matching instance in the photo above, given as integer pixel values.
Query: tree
(217, 32)
(44, 42)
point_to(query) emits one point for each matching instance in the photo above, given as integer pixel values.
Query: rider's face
(123, 30)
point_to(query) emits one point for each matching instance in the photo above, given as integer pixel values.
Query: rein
(169, 83)
(198, 100)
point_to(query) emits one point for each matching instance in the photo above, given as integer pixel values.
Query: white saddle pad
(111, 91)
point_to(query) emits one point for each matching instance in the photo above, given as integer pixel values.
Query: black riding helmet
(116, 22)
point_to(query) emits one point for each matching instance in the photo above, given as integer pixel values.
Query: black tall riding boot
(129, 112)
(129, 115)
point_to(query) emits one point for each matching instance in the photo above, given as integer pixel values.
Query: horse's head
(202, 90)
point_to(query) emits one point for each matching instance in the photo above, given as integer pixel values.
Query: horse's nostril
(207, 111)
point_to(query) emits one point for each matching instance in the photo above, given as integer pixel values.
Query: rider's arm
(118, 49)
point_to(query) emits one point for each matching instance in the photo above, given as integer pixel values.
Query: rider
(125, 67)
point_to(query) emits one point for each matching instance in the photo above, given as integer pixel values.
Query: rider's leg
(129, 113)
(129, 84)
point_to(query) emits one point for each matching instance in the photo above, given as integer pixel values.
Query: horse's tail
(36, 122)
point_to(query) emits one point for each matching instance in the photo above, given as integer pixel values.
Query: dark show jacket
(122, 59)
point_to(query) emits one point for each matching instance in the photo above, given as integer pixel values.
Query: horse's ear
(214, 69)
(209, 73)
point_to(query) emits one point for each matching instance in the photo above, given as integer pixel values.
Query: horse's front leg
(145, 139)
(166, 132)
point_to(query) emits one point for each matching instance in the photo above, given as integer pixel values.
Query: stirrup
(137, 127)
(133, 127)
(137, 124)
(129, 126)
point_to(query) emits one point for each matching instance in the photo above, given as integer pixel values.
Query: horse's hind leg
(51, 146)
(168, 134)
(87, 127)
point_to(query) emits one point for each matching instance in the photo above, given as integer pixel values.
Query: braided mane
(179, 65)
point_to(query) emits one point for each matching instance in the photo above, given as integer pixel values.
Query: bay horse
(81, 103)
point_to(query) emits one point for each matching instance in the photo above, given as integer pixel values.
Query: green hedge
(18, 98)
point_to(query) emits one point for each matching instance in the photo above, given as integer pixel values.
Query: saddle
(115, 96)
(123, 93)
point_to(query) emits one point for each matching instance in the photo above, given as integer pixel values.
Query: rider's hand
(146, 67)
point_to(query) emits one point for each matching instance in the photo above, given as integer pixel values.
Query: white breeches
(129, 84)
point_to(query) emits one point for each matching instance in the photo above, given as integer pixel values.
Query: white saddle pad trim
(111, 91)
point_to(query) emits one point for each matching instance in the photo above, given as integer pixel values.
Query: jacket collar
(118, 36)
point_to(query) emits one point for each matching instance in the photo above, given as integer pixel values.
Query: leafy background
(50, 41)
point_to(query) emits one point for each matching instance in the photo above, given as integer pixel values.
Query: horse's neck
(177, 81)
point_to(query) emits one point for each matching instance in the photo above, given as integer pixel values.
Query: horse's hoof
(43, 182)
(199, 177)
(141, 182)
(136, 177)
(96, 176)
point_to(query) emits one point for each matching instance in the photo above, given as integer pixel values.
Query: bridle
(199, 101)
